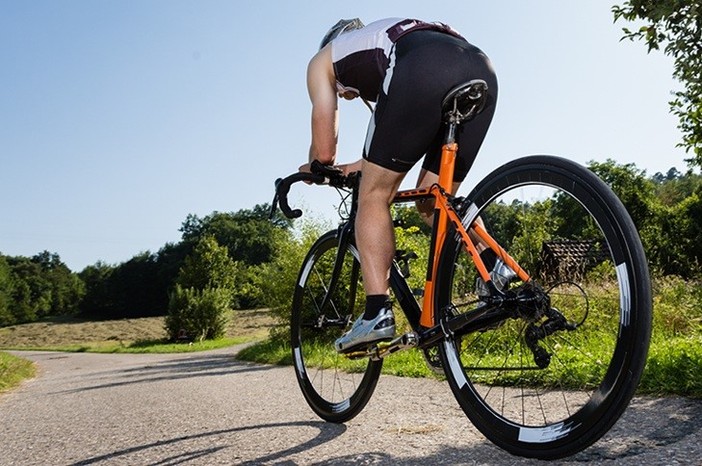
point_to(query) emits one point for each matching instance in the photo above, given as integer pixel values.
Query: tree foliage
(675, 25)
(6, 292)
(263, 269)
(32, 288)
(666, 211)
(128, 290)
(209, 266)
(249, 235)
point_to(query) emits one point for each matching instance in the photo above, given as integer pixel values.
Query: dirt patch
(64, 331)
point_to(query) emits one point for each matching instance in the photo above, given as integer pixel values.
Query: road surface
(208, 408)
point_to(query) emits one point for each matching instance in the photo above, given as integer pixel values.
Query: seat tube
(446, 170)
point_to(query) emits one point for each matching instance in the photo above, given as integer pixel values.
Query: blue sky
(119, 118)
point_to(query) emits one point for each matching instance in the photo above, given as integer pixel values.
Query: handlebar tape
(282, 187)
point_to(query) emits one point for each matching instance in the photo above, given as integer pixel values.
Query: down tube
(404, 296)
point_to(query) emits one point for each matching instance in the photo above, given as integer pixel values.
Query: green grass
(674, 367)
(276, 351)
(13, 371)
(674, 364)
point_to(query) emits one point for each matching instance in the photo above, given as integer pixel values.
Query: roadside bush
(197, 314)
(203, 294)
(280, 276)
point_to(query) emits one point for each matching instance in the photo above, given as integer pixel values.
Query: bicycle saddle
(464, 102)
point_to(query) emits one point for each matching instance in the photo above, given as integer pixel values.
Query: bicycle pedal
(364, 350)
(353, 355)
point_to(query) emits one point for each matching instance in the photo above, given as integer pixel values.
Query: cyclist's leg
(375, 236)
(375, 239)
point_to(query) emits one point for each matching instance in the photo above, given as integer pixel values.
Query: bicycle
(543, 365)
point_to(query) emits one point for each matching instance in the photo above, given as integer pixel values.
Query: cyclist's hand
(348, 168)
(305, 168)
(318, 168)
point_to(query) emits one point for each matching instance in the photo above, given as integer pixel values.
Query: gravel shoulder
(208, 408)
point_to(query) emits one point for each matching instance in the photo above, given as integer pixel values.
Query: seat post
(448, 158)
(461, 104)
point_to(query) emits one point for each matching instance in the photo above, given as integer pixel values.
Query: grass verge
(13, 371)
(674, 365)
(276, 351)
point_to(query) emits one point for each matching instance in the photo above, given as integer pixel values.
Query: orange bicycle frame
(445, 216)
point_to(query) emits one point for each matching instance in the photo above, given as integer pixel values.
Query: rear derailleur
(555, 321)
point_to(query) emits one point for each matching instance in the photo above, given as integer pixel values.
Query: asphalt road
(208, 408)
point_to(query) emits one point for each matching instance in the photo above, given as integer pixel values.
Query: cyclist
(406, 66)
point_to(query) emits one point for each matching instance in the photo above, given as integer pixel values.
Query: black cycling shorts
(406, 123)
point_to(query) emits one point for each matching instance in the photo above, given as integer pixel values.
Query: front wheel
(336, 388)
(530, 383)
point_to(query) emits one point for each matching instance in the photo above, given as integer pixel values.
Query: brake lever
(328, 171)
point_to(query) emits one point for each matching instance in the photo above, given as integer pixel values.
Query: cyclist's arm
(321, 86)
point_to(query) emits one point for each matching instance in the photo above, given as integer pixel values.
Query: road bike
(544, 359)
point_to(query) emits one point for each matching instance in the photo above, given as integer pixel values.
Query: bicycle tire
(550, 413)
(336, 388)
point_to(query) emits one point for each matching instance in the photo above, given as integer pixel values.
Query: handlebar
(282, 187)
(321, 174)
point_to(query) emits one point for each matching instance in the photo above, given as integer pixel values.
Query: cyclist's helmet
(344, 25)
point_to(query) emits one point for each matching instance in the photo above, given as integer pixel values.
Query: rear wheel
(548, 380)
(335, 387)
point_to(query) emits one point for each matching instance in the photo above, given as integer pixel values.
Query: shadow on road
(327, 432)
(207, 365)
(642, 436)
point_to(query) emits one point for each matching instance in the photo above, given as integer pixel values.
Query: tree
(253, 241)
(638, 194)
(249, 235)
(98, 300)
(675, 187)
(67, 289)
(128, 290)
(676, 25)
(634, 189)
(6, 291)
(31, 294)
(407, 216)
(681, 226)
